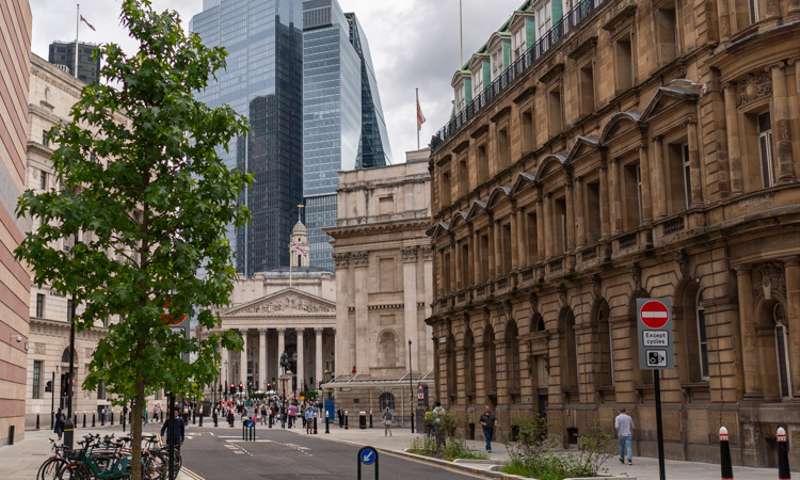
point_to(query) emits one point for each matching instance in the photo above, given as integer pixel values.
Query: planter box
(496, 469)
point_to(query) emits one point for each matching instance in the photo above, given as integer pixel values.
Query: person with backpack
(487, 422)
(388, 415)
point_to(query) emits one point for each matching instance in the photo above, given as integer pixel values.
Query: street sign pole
(662, 473)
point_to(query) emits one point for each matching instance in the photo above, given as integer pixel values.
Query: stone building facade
(283, 310)
(52, 94)
(619, 150)
(383, 286)
(15, 23)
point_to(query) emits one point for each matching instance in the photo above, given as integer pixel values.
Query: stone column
(548, 225)
(747, 331)
(496, 270)
(515, 246)
(569, 203)
(243, 359)
(426, 331)
(455, 255)
(223, 367)
(344, 327)
(781, 124)
(696, 179)
(605, 218)
(361, 283)
(732, 127)
(792, 267)
(724, 19)
(522, 241)
(541, 252)
(476, 256)
(658, 179)
(262, 358)
(613, 197)
(647, 193)
(318, 356)
(301, 379)
(410, 317)
(281, 348)
(580, 213)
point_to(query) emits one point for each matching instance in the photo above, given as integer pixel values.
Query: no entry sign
(655, 333)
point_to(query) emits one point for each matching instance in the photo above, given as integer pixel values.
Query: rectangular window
(40, 305)
(753, 4)
(386, 205)
(484, 260)
(388, 273)
(765, 149)
(503, 149)
(544, 20)
(593, 216)
(463, 178)
(533, 238)
(687, 175)
(445, 187)
(506, 248)
(483, 164)
(586, 86)
(477, 82)
(703, 339)
(555, 111)
(561, 225)
(466, 278)
(45, 138)
(624, 63)
(527, 130)
(519, 44)
(446, 266)
(42, 180)
(459, 94)
(497, 62)
(783, 361)
(633, 196)
(37, 380)
(667, 32)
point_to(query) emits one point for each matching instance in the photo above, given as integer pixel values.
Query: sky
(414, 44)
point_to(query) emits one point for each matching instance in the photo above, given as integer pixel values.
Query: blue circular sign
(367, 455)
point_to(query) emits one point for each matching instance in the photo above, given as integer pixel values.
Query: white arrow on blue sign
(368, 455)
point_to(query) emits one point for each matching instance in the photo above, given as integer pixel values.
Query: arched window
(386, 400)
(569, 353)
(469, 364)
(387, 349)
(489, 363)
(691, 338)
(782, 350)
(603, 345)
(512, 360)
(65, 357)
(452, 379)
(702, 336)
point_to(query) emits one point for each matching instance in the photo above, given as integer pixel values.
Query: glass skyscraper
(343, 124)
(264, 82)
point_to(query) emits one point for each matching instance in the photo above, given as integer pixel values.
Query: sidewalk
(642, 468)
(21, 461)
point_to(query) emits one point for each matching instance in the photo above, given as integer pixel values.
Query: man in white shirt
(623, 424)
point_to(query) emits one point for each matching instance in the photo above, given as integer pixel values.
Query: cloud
(414, 44)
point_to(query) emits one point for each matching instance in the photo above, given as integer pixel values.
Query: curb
(185, 473)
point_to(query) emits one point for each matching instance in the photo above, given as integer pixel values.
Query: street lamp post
(411, 385)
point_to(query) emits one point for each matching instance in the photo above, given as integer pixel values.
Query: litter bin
(572, 436)
(362, 420)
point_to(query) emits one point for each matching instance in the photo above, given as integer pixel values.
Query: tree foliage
(143, 188)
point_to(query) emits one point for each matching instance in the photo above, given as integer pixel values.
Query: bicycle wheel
(154, 467)
(74, 471)
(50, 469)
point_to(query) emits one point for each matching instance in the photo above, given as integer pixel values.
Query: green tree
(142, 187)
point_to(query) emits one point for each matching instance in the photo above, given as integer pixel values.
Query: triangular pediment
(288, 301)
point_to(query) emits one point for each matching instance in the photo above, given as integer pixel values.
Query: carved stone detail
(753, 87)
(769, 282)
(289, 304)
(359, 259)
(342, 260)
(409, 254)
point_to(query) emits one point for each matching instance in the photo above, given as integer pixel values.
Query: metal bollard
(75, 419)
(37, 421)
(327, 424)
(92, 420)
(112, 418)
(725, 455)
(84, 419)
(346, 422)
(370, 419)
(201, 419)
(315, 426)
(784, 472)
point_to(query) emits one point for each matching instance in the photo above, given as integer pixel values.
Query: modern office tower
(15, 63)
(63, 55)
(263, 81)
(343, 124)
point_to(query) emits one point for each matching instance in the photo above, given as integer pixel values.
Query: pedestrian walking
(58, 425)
(487, 422)
(438, 417)
(624, 426)
(388, 415)
(176, 436)
(292, 414)
(308, 416)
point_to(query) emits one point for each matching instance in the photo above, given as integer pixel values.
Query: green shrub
(452, 449)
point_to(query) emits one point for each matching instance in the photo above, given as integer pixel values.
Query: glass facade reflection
(263, 81)
(343, 124)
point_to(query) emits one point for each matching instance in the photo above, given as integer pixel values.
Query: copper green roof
(527, 5)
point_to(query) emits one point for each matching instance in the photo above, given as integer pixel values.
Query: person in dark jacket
(176, 436)
(58, 426)
(487, 422)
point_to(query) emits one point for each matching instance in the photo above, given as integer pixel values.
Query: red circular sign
(654, 314)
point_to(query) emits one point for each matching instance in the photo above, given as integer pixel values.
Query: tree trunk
(136, 431)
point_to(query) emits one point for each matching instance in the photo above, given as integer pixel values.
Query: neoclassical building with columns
(383, 287)
(290, 310)
(627, 149)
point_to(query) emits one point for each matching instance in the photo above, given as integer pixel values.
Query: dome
(299, 229)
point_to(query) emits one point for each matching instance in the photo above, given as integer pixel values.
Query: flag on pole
(420, 116)
(87, 23)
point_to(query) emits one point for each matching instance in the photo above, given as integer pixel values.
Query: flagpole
(417, 117)
(77, 30)
(460, 33)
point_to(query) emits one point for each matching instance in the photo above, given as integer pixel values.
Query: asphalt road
(220, 454)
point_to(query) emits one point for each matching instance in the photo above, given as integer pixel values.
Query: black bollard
(103, 421)
(725, 455)
(75, 419)
(84, 419)
(346, 422)
(122, 419)
(37, 421)
(193, 417)
(270, 421)
(370, 419)
(201, 419)
(327, 424)
(315, 426)
(93, 420)
(112, 418)
(784, 473)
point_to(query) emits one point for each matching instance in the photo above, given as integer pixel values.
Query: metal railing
(553, 37)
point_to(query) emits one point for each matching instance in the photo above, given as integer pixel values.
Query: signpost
(656, 353)
(368, 456)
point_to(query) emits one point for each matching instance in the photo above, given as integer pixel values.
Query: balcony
(564, 28)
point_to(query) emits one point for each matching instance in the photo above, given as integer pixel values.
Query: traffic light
(48, 387)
